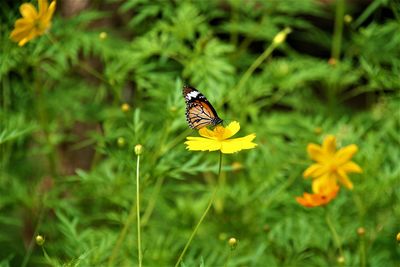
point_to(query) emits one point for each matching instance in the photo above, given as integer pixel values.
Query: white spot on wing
(192, 94)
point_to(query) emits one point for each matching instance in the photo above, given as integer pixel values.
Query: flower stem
(202, 216)
(139, 241)
(122, 235)
(260, 60)
(35, 232)
(362, 252)
(131, 217)
(334, 233)
(229, 257)
(338, 30)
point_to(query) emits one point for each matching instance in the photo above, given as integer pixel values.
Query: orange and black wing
(199, 112)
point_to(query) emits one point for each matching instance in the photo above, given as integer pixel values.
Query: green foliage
(68, 165)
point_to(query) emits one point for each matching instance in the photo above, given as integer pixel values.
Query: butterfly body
(199, 111)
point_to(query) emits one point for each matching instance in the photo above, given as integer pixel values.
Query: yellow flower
(218, 139)
(331, 166)
(323, 196)
(33, 23)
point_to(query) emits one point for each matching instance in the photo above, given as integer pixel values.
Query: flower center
(333, 167)
(38, 25)
(219, 132)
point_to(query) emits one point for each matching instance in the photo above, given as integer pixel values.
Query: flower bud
(39, 240)
(121, 141)
(125, 107)
(138, 149)
(103, 35)
(347, 19)
(398, 237)
(236, 166)
(332, 61)
(281, 36)
(317, 130)
(232, 242)
(361, 231)
(340, 260)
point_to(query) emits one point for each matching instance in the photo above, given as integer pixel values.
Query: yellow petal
(205, 132)
(49, 14)
(22, 23)
(23, 41)
(329, 145)
(345, 154)
(234, 145)
(20, 32)
(314, 170)
(231, 130)
(321, 184)
(202, 144)
(43, 5)
(344, 179)
(316, 153)
(26, 38)
(351, 167)
(28, 11)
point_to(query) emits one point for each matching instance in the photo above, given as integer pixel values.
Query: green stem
(363, 261)
(139, 242)
(229, 257)
(152, 200)
(261, 58)
(35, 233)
(338, 30)
(254, 66)
(202, 216)
(122, 235)
(334, 233)
(135, 211)
(44, 124)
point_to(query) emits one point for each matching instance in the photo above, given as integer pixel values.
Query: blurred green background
(67, 147)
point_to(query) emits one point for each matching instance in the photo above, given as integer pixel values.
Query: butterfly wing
(199, 112)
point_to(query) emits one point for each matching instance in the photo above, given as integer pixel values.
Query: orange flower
(32, 23)
(322, 197)
(331, 166)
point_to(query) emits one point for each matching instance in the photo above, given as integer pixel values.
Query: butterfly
(199, 112)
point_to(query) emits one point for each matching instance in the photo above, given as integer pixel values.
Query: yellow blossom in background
(322, 196)
(125, 107)
(331, 165)
(32, 23)
(218, 139)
